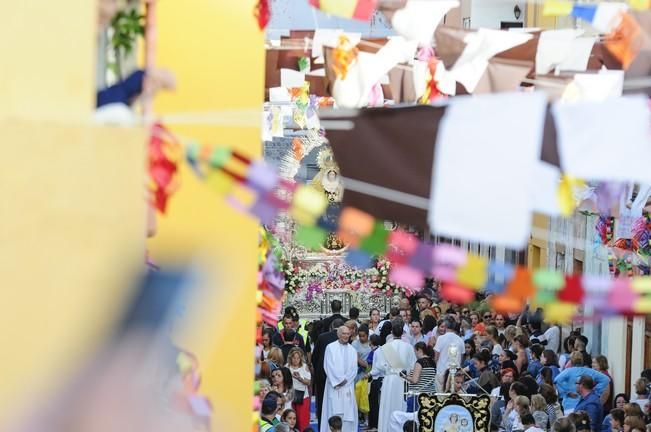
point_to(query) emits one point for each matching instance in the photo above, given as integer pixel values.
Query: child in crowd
(289, 418)
(335, 424)
(539, 407)
(529, 424)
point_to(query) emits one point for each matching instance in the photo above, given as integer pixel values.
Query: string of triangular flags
(460, 273)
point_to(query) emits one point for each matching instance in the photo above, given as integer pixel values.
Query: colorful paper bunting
(402, 246)
(407, 276)
(462, 274)
(308, 205)
(423, 258)
(506, 304)
(376, 242)
(354, 225)
(573, 290)
(521, 286)
(312, 237)
(457, 294)
(560, 312)
(474, 273)
(622, 297)
(359, 258)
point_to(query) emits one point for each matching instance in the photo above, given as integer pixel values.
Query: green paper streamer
(376, 242)
(311, 237)
(220, 157)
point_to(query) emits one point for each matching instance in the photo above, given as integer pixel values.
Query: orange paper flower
(297, 149)
(344, 55)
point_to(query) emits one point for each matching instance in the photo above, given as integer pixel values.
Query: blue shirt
(605, 425)
(534, 368)
(592, 405)
(566, 384)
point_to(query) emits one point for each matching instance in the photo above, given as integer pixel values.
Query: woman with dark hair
(507, 361)
(549, 360)
(374, 321)
(553, 410)
(429, 324)
(282, 382)
(423, 377)
(546, 376)
(568, 347)
(487, 380)
(467, 362)
(493, 336)
(385, 331)
(620, 400)
(600, 363)
(267, 335)
(289, 418)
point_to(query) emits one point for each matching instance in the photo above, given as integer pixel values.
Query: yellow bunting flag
(474, 273)
(560, 312)
(308, 205)
(557, 8)
(641, 284)
(642, 305)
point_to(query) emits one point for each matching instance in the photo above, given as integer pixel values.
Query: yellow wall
(217, 53)
(72, 208)
(40, 76)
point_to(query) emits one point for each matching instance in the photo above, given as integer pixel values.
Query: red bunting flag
(573, 291)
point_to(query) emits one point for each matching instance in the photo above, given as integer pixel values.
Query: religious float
(314, 278)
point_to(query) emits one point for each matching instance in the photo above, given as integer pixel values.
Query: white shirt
(405, 338)
(552, 336)
(420, 338)
(534, 429)
(443, 343)
(304, 372)
(497, 349)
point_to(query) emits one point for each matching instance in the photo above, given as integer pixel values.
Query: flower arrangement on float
(338, 276)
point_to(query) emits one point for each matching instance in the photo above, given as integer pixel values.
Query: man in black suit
(335, 305)
(318, 355)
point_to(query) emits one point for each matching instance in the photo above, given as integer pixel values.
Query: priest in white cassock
(390, 360)
(340, 364)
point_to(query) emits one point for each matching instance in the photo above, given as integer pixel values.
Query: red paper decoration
(262, 12)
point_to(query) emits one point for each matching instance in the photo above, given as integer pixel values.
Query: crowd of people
(366, 373)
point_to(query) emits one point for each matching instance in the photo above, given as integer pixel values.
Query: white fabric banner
(486, 156)
(608, 141)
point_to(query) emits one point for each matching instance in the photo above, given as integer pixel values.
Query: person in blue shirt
(535, 366)
(589, 402)
(566, 382)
